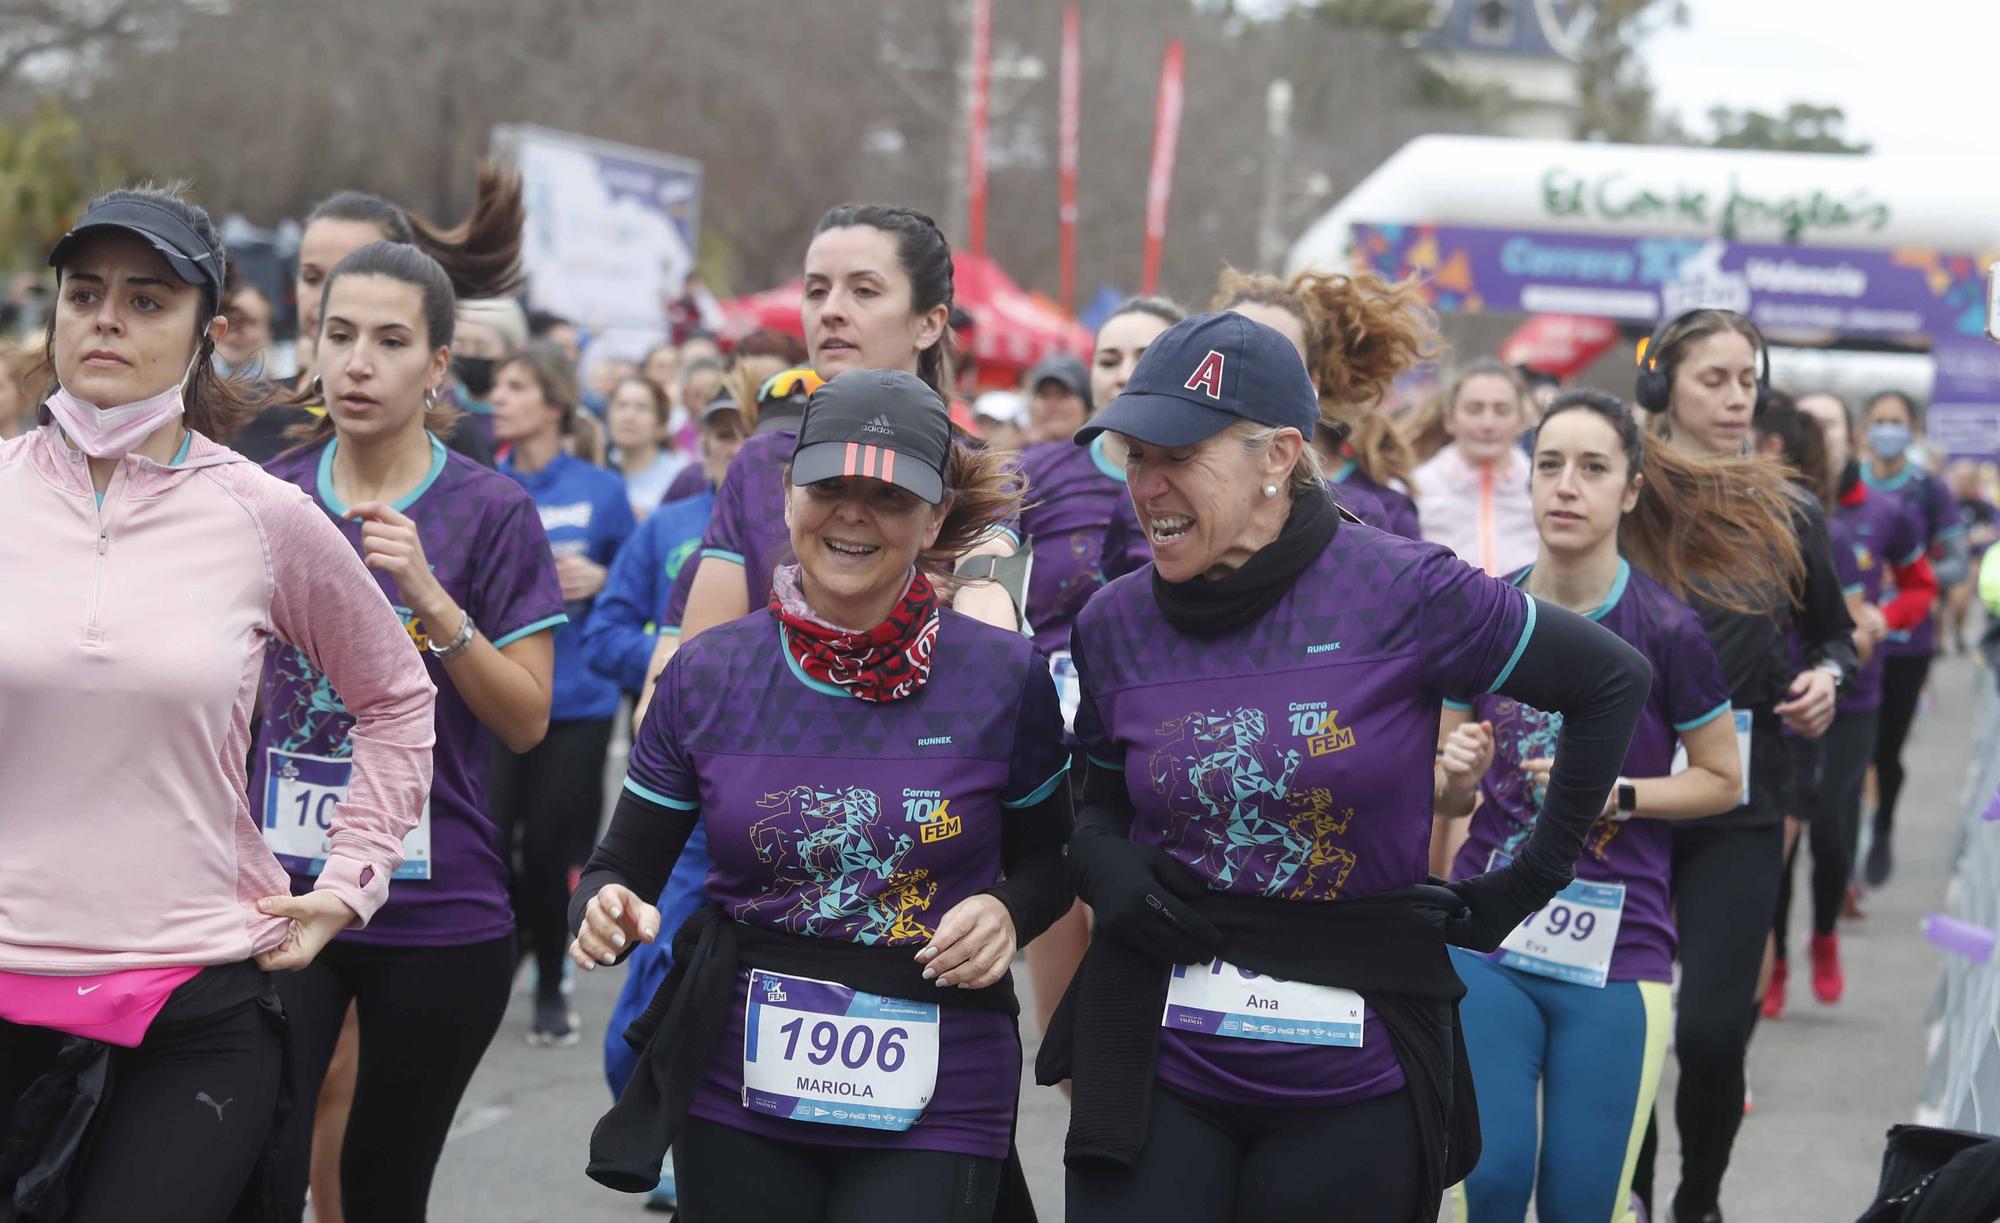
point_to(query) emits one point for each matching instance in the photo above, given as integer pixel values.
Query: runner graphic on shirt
(1218, 770)
(1534, 738)
(838, 867)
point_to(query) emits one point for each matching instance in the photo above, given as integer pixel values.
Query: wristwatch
(458, 645)
(1627, 801)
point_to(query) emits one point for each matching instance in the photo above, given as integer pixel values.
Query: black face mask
(475, 374)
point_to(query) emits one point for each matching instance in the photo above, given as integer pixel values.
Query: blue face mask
(1888, 441)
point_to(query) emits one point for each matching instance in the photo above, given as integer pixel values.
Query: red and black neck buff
(885, 663)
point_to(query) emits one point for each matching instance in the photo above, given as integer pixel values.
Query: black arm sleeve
(1599, 685)
(1107, 805)
(1826, 630)
(638, 850)
(1035, 888)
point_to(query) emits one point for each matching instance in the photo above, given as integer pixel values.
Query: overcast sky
(1915, 76)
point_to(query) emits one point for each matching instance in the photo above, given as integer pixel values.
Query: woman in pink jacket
(147, 569)
(1472, 496)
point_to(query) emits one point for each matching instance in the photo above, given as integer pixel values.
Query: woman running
(1265, 1023)
(461, 554)
(1892, 589)
(1893, 423)
(1567, 1024)
(878, 289)
(547, 800)
(164, 566)
(1472, 495)
(886, 808)
(481, 255)
(1702, 374)
(1121, 340)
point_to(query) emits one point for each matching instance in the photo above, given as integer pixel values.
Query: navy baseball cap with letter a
(1204, 374)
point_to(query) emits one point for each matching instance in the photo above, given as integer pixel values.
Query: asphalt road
(1827, 1081)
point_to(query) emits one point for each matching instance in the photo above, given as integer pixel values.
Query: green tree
(44, 182)
(1614, 91)
(1802, 128)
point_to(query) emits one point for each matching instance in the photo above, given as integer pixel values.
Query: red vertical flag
(1166, 134)
(1071, 123)
(975, 170)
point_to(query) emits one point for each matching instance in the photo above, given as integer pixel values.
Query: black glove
(1495, 903)
(1140, 894)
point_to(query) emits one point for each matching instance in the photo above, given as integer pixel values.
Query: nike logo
(205, 1098)
(81, 990)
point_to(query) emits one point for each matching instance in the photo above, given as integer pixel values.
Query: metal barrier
(1961, 1087)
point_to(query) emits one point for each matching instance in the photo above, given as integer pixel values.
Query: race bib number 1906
(819, 1051)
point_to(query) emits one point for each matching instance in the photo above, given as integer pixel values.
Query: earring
(1270, 490)
(430, 399)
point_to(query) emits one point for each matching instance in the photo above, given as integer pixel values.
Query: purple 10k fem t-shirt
(1072, 493)
(484, 541)
(1688, 692)
(1876, 533)
(1292, 758)
(865, 822)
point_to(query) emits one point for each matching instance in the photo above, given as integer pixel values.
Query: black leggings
(426, 1015)
(546, 803)
(728, 1176)
(1725, 897)
(1835, 828)
(1902, 684)
(190, 1109)
(1818, 827)
(1208, 1162)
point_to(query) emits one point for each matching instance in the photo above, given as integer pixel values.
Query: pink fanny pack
(114, 1007)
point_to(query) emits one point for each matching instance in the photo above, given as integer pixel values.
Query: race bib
(1220, 999)
(818, 1051)
(1742, 717)
(1069, 686)
(1571, 938)
(300, 793)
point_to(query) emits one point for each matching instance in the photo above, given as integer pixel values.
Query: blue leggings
(1591, 1058)
(649, 963)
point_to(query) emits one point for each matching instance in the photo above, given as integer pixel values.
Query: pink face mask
(111, 433)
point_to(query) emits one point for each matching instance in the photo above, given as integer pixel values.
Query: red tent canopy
(1011, 328)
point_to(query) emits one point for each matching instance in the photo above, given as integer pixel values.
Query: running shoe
(1880, 862)
(555, 1024)
(1774, 997)
(1828, 981)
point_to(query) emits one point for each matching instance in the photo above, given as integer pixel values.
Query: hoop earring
(317, 389)
(430, 399)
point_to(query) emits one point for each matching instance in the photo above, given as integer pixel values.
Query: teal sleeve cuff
(1851, 591)
(1703, 720)
(1460, 706)
(529, 630)
(1040, 792)
(654, 796)
(723, 554)
(1520, 648)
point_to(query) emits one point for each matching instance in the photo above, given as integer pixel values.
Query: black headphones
(1653, 392)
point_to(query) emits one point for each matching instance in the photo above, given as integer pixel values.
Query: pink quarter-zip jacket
(132, 637)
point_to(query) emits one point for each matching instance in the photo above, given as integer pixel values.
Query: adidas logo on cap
(879, 425)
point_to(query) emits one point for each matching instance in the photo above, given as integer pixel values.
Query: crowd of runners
(308, 687)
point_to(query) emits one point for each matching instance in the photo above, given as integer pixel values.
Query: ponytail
(481, 255)
(1362, 333)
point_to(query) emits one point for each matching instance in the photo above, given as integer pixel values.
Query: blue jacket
(618, 641)
(585, 512)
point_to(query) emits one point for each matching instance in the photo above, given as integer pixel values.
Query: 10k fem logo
(930, 810)
(1319, 726)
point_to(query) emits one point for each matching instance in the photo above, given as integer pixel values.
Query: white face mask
(111, 433)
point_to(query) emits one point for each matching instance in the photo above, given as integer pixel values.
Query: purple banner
(1783, 288)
